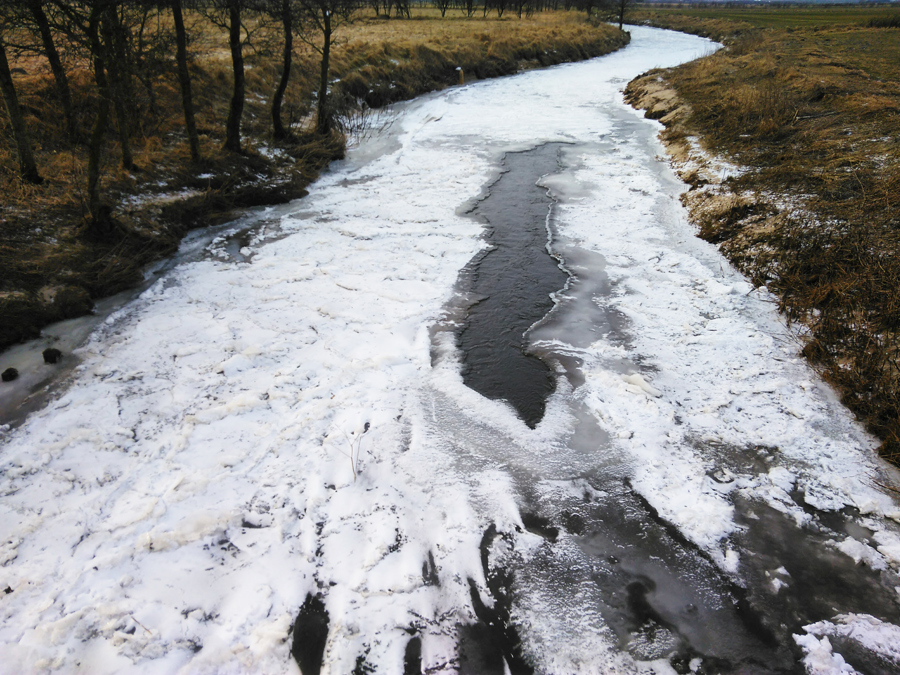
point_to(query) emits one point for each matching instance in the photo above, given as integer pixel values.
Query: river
(308, 448)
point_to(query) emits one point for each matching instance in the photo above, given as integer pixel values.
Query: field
(779, 17)
(807, 102)
(54, 265)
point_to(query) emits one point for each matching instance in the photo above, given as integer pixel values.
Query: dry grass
(52, 269)
(813, 113)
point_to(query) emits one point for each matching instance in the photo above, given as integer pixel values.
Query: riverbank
(55, 269)
(787, 137)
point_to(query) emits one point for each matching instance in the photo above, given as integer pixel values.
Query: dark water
(511, 283)
(665, 598)
(661, 595)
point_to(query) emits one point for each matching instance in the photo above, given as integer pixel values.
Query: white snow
(247, 433)
(819, 658)
(878, 637)
(861, 552)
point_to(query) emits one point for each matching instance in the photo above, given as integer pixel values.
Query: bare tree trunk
(101, 122)
(27, 165)
(286, 20)
(622, 6)
(140, 70)
(233, 125)
(118, 71)
(323, 116)
(56, 67)
(184, 78)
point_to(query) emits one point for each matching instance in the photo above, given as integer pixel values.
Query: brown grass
(813, 114)
(52, 266)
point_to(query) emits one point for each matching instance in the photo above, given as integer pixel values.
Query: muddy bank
(734, 219)
(808, 208)
(58, 264)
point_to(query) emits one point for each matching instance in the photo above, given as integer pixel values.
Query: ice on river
(260, 427)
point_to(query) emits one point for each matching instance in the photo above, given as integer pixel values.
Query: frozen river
(274, 448)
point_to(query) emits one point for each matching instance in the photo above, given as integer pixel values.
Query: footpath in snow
(286, 426)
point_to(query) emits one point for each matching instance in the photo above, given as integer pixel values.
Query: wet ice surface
(693, 498)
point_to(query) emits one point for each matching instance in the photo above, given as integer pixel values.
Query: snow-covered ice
(254, 429)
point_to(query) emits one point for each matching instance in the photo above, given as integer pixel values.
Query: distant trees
(588, 6)
(121, 44)
(610, 10)
(526, 6)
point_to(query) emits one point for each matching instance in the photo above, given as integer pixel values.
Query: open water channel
(480, 403)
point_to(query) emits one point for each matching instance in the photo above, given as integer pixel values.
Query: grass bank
(53, 269)
(806, 102)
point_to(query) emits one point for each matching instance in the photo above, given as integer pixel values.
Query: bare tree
(93, 24)
(98, 26)
(119, 71)
(443, 6)
(589, 6)
(285, 10)
(523, 5)
(621, 7)
(31, 31)
(27, 165)
(228, 14)
(402, 8)
(42, 23)
(236, 108)
(320, 20)
(101, 121)
(610, 10)
(184, 80)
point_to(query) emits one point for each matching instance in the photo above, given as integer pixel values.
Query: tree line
(123, 42)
